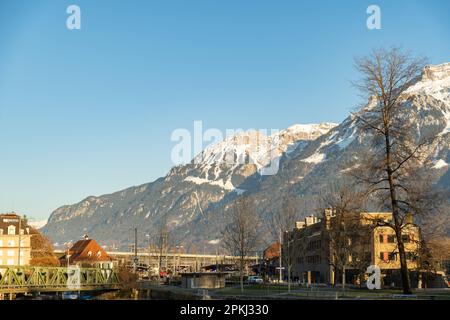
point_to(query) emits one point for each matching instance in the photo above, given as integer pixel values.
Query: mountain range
(194, 198)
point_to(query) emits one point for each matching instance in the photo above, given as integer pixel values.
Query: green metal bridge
(15, 279)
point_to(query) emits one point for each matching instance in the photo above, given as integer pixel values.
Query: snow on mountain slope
(37, 224)
(185, 193)
(307, 173)
(194, 198)
(249, 152)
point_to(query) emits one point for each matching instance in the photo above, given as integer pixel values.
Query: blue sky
(90, 111)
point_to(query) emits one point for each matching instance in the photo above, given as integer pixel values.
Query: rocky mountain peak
(436, 72)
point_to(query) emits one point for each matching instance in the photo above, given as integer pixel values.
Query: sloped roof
(8, 219)
(87, 250)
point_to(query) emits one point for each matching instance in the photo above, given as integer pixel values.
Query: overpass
(173, 260)
(193, 262)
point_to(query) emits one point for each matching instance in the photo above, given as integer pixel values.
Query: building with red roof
(87, 253)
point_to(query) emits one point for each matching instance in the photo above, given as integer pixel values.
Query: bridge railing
(72, 278)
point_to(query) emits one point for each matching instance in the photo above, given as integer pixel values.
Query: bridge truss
(15, 279)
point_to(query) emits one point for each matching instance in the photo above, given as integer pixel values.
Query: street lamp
(68, 245)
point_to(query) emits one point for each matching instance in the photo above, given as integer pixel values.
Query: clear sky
(90, 111)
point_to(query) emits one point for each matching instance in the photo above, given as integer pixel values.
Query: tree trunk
(406, 282)
(241, 274)
(289, 277)
(343, 278)
(398, 228)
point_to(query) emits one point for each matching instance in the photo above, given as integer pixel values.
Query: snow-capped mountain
(185, 194)
(194, 198)
(37, 224)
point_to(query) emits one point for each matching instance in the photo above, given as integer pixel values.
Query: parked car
(255, 280)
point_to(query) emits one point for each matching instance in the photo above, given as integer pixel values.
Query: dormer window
(11, 230)
(90, 254)
(99, 254)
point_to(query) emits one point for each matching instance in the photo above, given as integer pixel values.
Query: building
(271, 257)
(203, 280)
(87, 253)
(15, 240)
(272, 251)
(320, 250)
(305, 252)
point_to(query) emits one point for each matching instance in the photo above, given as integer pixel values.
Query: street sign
(280, 268)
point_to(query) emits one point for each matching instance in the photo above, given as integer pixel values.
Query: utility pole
(149, 254)
(217, 259)
(281, 269)
(135, 251)
(68, 256)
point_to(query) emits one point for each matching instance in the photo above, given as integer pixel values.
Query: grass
(281, 291)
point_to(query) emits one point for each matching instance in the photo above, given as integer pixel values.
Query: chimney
(310, 220)
(299, 224)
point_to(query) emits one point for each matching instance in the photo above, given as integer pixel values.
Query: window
(387, 238)
(1, 253)
(11, 230)
(316, 244)
(90, 254)
(11, 243)
(1, 231)
(391, 238)
(10, 262)
(1, 243)
(392, 256)
(10, 253)
(388, 256)
(313, 259)
(405, 238)
(411, 256)
(99, 254)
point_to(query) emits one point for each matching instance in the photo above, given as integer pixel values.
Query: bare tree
(434, 243)
(400, 149)
(282, 222)
(342, 204)
(162, 242)
(241, 234)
